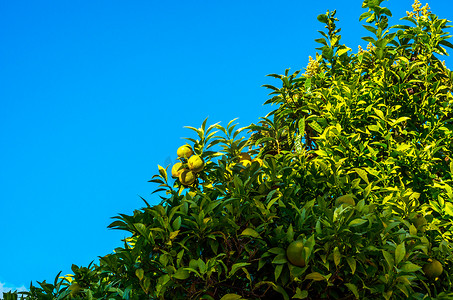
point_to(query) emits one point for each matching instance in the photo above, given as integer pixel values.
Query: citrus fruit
(185, 151)
(177, 169)
(245, 159)
(345, 199)
(75, 289)
(294, 253)
(187, 177)
(420, 223)
(433, 269)
(195, 163)
(262, 188)
(244, 156)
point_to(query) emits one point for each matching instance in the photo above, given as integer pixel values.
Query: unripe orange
(294, 253)
(245, 156)
(420, 223)
(433, 269)
(245, 159)
(185, 151)
(195, 163)
(177, 169)
(187, 177)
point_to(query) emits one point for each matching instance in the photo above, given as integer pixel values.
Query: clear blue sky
(95, 94)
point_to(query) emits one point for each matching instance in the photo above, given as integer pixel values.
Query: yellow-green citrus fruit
(262, 189)
(244, 156)
(433, 269)
(245, 159)
(177, 169)
(185, 151)
(187, 177)
(195, 163)
(420, 223)
(345, 199)
(75, 289)
(294, 253)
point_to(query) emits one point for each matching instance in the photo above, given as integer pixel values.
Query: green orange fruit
(195, 163)
(245, 156)
(177, 169)
(74, 288)
(420, 223)
(187, 177)
(245, 159)
(185, 151)
(295, 253)
(433, 269)
(262, 188)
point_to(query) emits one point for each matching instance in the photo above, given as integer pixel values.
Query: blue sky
(95, 94)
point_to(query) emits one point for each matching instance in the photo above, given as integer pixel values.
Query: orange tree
(343, 191)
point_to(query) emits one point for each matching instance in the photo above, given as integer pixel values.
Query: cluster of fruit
(246, 160)
(189, 166)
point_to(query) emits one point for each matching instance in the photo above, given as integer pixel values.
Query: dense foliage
(353, 167)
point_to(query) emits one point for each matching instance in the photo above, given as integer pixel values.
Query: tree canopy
(343, 191)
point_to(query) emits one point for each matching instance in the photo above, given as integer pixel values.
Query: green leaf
(251, 232)
(389, 259)
(322, 18)
(336, 256)
(449, 208)
(277, 250)
(352, 263)
(342, 51)
(365, 15)
(282, 291)
(300, 294)
(316, 276)
(277, 271)
(370, 28)
(139, 273)
(369, 39)
(321, 41)
(231, 297)
(357, 222)
(316, 127)
(386, 11)
(181, 274)
(400, 252)
(402, 147)
(176, 223)
(280, 259)
(379, 113)
(353, 288)
(237, 266)
(162, 172)
(399, 120)
(446, 43)
(307, 86)
(410, 267)
(302, 126)
(362, 174)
